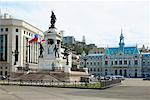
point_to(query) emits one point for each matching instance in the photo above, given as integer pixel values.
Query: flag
(43, 41)
(35, 38)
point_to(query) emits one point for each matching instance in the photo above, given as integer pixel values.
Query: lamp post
(85, 59)
(15, 53)
(27, 63)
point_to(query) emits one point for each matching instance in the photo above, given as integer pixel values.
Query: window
(91, 69)
(106, 62)
(1, 67)
(91, 63)
(17, 30)
(120, 62)
(94, 69)
(125, 62)
(129, 62)
(1, 73)
(16, 55)
(6, 29)
(97, 63)
(116, 72)
(6, 73)
(98, 70)
(116, 62)
(24, 32)
(111, 62)
(135, 62)
(143, 63)
(87, 63)
(94, 63)
(5, 67)
(1, 29)
(106, 71)
(5, 47)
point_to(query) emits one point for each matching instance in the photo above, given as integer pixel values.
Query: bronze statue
(56, 51)
(41, 50)
(53, 20)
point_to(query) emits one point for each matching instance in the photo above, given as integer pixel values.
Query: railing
(109, 83)
(46, 83)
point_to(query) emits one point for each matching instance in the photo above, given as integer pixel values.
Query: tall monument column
(50, 56)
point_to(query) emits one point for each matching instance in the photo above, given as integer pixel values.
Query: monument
(52, 55)
(54, 58)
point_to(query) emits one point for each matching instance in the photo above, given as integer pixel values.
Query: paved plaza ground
(130, 89)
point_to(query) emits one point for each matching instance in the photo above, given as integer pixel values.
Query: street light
(85, 59)
(15, 53)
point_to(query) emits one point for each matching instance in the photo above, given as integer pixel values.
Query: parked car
(3, 77)
(120, 77)
(108, 77)
(146, 78)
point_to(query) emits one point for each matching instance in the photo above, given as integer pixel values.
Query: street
(130, 89)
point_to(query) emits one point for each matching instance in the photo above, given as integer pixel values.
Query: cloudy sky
(100, 21)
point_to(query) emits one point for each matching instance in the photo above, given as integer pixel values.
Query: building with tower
(122, 60)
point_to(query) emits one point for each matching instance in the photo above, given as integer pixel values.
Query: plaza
(130, 89)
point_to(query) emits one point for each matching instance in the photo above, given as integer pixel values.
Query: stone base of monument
(66, 75)
(47, 64)
(73, 76)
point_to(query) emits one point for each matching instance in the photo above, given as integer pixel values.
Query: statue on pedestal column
(53, 20)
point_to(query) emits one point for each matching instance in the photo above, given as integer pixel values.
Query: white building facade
(15, 50)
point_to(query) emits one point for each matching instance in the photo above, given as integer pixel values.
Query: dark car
(3, 77)
(146, 78)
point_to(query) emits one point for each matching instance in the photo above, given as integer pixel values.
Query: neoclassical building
(122, 60)
(15, 50)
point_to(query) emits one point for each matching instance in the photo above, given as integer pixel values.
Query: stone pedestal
(52, 57)
(46, 64)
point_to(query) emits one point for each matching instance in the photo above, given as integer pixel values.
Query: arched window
(120, 72)
(91, 69)
(106, 71)
(116, 72)
(6, 73)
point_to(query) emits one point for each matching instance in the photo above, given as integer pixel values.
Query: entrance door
(135, 72)
(125, 73)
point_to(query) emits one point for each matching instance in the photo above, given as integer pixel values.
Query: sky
(99, 21)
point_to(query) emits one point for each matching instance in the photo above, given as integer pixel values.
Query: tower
(83, 39)
(121, 43)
